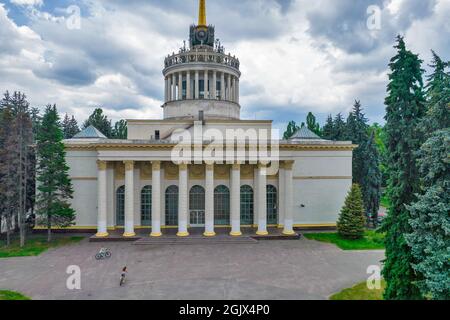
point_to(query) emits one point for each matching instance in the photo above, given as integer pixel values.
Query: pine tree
(120, 130)
(351, 223)
(404, 111)
(70, 127)
(328, 129)
(339, 128)
(55, 187)
(101, 122)
(292, 128)
(371, 178)
(357, 132)
(430, 221)
(312, 124)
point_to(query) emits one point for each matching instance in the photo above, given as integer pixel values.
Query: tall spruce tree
(430, 219)
(357, 131)
(101, 122)
(371, 178)
(438, 96)
(70, 127)
(328, 128)
(339, 128)
(54, 187)
(404, 112)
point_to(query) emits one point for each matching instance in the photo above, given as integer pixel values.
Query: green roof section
(305, 134)
(90, 132)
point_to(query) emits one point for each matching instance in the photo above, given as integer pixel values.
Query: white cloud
(115, 59)
(28, 2)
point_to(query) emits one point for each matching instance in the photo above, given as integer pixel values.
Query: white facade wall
(321, 181)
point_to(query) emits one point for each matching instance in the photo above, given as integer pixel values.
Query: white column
(234, 89)
(214, 86)
(209, 201)
(174, 87)
(236, 200)
(188, 85)
(166, 89)
(129, 199)
(206, 79)
(183, 201)
(281, 194)
(180, 85)
(262, 200)
(228, 96)
(102, 228)
(156, 199)
(222, 86)
(197, 89)
(237, 90)
(289, 208)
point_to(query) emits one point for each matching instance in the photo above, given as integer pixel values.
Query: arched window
(120, 206)
(272, 205)
(146, 206)
(222, 205)
(172, 206)
(247, 215)
(197, 206)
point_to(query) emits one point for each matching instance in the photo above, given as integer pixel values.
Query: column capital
(236, 166)
(183, 166)
(262, 165)
(102, 165)
(156, 165)
(209, 165)
(289, 164)
(129, 165)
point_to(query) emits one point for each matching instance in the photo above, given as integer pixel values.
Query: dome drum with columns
(203, 77)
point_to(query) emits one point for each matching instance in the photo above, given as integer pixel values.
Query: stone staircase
(194, 240)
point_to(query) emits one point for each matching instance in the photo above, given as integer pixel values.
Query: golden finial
(202, 14)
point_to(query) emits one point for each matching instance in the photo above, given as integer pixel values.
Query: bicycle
(104, 253)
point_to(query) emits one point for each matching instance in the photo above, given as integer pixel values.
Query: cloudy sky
(296, 55)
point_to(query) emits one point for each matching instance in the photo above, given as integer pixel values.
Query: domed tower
(201, 81)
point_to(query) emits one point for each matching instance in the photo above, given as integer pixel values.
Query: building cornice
(169, 146)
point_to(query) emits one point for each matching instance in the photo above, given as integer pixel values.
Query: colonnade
(286, 199)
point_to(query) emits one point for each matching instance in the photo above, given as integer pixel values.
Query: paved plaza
(294, 269)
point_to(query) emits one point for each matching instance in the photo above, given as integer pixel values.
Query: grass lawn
(360, 292)
(371, 240)
(34, 246)
(11, 295)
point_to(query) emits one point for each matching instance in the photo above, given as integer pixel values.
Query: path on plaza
(298, 269)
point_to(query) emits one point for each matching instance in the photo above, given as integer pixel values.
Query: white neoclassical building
(177, 173)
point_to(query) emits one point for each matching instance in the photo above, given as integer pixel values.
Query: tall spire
(202, 14)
